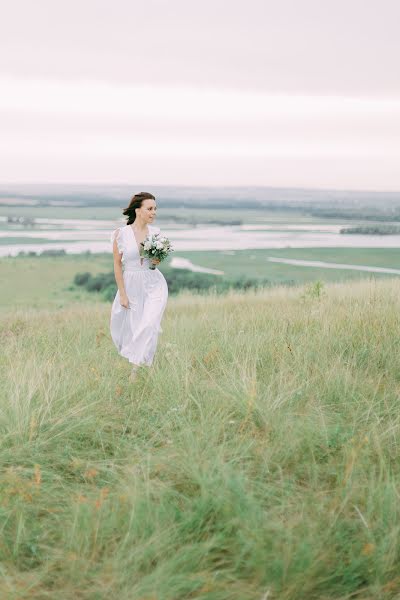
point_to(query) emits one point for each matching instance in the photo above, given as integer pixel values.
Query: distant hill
(196, 196)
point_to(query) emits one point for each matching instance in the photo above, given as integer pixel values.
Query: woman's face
(147, 211)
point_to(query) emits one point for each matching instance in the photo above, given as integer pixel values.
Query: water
(184, 263)
(75, 236)
(328, 265)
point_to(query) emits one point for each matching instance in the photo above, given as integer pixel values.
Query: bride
(140, 301)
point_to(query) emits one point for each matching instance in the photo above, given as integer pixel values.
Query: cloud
(59, 123)
(335, 47)
(214, 92)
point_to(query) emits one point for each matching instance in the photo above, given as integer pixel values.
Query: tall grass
(257, 459)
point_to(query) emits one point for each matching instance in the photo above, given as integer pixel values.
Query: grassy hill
(47, 281)
(257, 459)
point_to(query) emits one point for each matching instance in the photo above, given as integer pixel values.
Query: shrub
(82, 278)
(177, 280)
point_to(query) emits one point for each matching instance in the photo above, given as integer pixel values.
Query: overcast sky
(253, 92)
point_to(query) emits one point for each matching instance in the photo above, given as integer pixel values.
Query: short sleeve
(118, 235)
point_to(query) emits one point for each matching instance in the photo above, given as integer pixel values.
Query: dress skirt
(135, 330)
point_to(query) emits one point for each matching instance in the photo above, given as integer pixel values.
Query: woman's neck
(139, 225)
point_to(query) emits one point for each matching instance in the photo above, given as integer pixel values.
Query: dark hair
(136, 202)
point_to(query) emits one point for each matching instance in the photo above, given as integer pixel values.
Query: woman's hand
(124, 300)
(155, 261)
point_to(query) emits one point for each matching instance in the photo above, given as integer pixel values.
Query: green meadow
(39, 281)
(254, 263)
(262, 215)
(258, 459)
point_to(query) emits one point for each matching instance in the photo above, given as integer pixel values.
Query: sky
(295, 93)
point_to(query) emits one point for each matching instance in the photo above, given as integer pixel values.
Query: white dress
(135, 330)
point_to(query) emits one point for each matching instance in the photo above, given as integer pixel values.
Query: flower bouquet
(156, 246)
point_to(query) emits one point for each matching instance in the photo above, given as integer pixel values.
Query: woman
(142, 294)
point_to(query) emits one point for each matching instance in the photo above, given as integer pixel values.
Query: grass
(47, 280)
(112, 212)
(257, 459)
(8, 241)
(254, 263)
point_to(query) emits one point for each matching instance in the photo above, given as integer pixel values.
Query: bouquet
(156, 246)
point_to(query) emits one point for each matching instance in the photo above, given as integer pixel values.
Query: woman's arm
(119, 278)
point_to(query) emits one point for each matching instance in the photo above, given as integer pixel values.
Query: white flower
(159, 246)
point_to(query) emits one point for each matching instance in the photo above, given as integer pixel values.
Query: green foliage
(180, 279)
(380, 229)
(82, 278)
(257, 458)
(376, 213)
(100, 282)
(314, 290)
(53, 252)
(177, 280)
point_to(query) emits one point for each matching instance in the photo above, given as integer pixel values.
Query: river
(75, 236)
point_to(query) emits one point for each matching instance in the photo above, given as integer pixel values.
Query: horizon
(194, 185)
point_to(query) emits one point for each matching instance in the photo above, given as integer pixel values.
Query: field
(47, 281)
(165, 213)
(39, 282)
(254, 263)
(189, 214)
(257, 460)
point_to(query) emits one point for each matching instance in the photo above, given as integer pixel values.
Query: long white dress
(135, 330)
